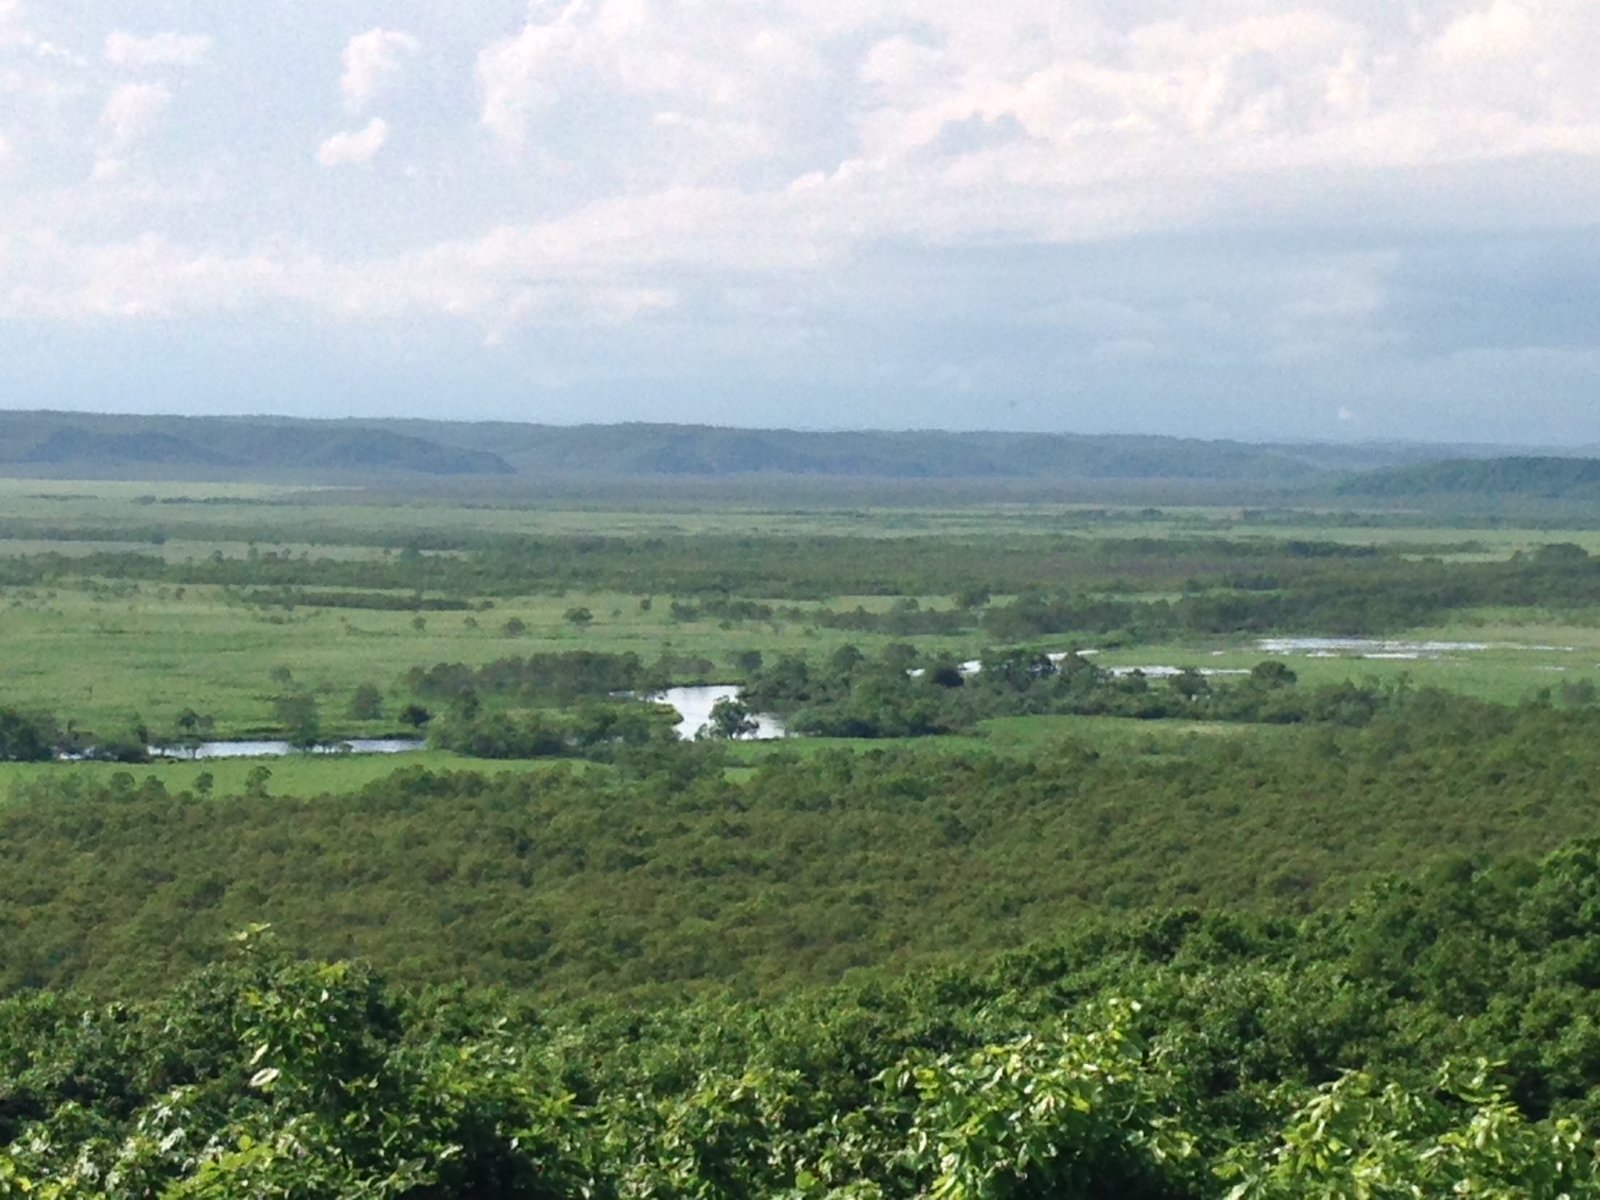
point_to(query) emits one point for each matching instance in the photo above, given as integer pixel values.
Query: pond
(273, 749)
(694, 706)
(1400, 648)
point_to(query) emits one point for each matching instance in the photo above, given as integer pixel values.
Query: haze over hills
(81, 445)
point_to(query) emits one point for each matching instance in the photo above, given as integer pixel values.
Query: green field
(105, 650)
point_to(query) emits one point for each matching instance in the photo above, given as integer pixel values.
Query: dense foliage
(850, 695)
(1175, 1056)
(592, 730)
(666, 868)
(550, 678)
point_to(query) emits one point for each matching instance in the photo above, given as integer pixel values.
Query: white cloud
(1501, 30)
(668, 140)
(131, 113)
(12, 31)
(519, 76)
(16, 35)
(371, 61)
(359, 146)
(157, 50)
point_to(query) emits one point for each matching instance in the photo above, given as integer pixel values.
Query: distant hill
(630, 450)
(225, 447)
(267, 449)
(1526, 476)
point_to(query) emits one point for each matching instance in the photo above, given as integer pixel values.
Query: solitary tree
(255, 783)
(730, 718)
(301, 723)
(366, 704)
(193, 729)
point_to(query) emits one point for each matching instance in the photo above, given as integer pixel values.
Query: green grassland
(104, 655)
(320, 774)
(101, 650)
(202, 517)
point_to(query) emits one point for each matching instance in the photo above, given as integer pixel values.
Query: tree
(193, 729)
(415, 716)
(1189, 683)
(25, 738)
(579, 616)
(301, 722)
(366, 704)
(845, 659)
(730, 718)
(1272, 674)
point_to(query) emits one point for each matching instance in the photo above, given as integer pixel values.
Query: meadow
(108, 650)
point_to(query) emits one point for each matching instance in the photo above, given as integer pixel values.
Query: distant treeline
(722, 569)
(554, 677)
(850, 695)
(1524, 476)
(1133, 589)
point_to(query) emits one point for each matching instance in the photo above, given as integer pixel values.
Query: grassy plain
(106, 651)
(290, 775)
(203, 516)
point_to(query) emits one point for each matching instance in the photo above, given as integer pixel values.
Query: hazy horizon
(976, 431)
(1345, 222)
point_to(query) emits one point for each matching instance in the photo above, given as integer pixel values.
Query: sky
(1333, 220)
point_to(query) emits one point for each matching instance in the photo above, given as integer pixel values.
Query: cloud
(757, 69)
(371, 61)
(15, 34)
(12, 31)
(343, 149)
(1501, 30)
(752, 172)
(519, 76)
(131, 113)
(157, 50)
